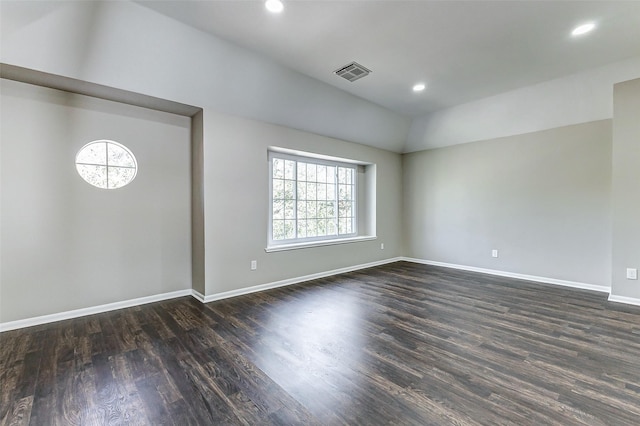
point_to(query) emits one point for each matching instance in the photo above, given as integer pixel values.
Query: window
(106, 164)
(311, 199)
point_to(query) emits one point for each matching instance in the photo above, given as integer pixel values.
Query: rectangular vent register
(352, 72)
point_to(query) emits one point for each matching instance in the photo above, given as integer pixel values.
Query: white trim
(574, 284)
(301, 242)
(624, 299)
(314, 156)
(197, 295)
(290, 281)
(45, 319)
(320, 243)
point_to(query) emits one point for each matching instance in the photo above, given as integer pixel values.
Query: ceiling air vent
(352, 72)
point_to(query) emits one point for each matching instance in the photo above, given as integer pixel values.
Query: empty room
(347, 212)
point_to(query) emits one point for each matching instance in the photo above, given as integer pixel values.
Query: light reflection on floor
(322, 341)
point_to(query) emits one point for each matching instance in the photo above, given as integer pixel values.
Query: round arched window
(106, 164)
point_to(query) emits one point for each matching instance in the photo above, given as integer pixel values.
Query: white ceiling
(463, 50)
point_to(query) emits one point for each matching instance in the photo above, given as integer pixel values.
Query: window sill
(295, 246)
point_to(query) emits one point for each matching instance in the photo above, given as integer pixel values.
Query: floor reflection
(313, 345)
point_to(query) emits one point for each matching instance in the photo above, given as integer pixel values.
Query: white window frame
(276, 245)
(106, 164)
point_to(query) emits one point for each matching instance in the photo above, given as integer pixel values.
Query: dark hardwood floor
(397, 344)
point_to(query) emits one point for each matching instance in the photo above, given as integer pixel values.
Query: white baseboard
(44, 319)
(290, 281)
(574, 284)
(29, 322)
(197, 295)
(624, 299)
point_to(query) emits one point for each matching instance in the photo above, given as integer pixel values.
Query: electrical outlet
(254, 265)
(381, 246)
(632, 274)
(494, 253)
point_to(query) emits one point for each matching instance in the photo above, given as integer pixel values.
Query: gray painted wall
(236, 204)
(67, 245)
(197, 204)
(626, 187)
(541, 199)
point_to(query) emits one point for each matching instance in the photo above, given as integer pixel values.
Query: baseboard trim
(197, 295)
(545, 280)
(624, 299)
(45, 319)
(290, 281)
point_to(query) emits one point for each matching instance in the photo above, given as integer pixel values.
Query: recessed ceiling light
(583, 29)
(419, 87)
(274, 6)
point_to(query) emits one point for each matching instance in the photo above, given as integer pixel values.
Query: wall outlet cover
(632, 274)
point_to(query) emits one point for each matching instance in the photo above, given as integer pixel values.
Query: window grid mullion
(104, 165)
(313, 198)
(295, 198)
(336, 207)
(106, 161)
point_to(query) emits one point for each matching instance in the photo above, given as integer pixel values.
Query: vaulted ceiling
(462, 50)
(492, 68)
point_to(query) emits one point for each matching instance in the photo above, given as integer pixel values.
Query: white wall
(236, 204)
(542, 199)
(626, 188)
(67, 245)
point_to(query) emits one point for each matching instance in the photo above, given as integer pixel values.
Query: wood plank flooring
(399, 344)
